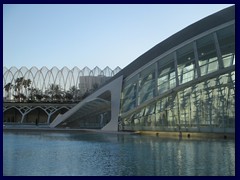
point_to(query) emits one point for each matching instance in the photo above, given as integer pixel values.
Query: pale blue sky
(91, 35)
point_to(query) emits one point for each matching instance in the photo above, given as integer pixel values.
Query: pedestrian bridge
(33, 113)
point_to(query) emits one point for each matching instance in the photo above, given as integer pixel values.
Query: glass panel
(129, 94)
(166, 74)
(150, 115)
(161, 112)
(233, 77)
(186, 64)
(146, 84)
(150, 109)
(207, 55)
(226, 39)
(184, 107)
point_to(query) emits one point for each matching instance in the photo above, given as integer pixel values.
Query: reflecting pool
(95, 154)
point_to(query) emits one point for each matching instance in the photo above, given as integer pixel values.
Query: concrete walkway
(44, 128)
(183, 135)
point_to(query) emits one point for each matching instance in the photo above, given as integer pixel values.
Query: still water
(94, 154)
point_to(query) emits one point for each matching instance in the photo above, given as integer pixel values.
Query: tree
(18, 86)
(7, 88)
(19, 83)
(87, 93)
(46, 97)
(76, 93)
(26, 84)
(95, 86)
(68, 96)
(33, 91)
(35, 94)
(20, 96)
(55, 92)
(39, 97)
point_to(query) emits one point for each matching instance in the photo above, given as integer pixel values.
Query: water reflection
(110, 154)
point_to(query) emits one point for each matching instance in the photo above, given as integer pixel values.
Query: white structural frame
(114, 88)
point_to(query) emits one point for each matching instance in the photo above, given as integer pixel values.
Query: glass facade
(186, 66)
(226, 39)
(146, 84)
(166, 74)
(190, 89)
(207, 55)
(129, 92)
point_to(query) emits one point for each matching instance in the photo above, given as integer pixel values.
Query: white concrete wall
(115, 88)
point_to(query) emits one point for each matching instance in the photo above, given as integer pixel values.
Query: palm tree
(18, 86)
(76, 93)
(39, 97)
(26, 84)
(19, 83)
(68, 96)
(73, 91)
(35, 94)
(7, 88)
(55, 92)
(32, 93)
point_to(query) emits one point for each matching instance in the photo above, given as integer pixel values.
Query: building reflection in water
(111, 154)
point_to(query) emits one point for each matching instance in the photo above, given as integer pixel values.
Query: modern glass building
(186, 82)
(189, 87)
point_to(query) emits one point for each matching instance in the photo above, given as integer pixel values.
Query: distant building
(89, 83)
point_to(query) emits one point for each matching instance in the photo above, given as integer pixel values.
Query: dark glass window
(166, 74)
(146, 84)
(207, 54)
(129, 94)
(226, 39)
(186, 64)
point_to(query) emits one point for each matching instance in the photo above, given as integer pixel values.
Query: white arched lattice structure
(41, 79)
